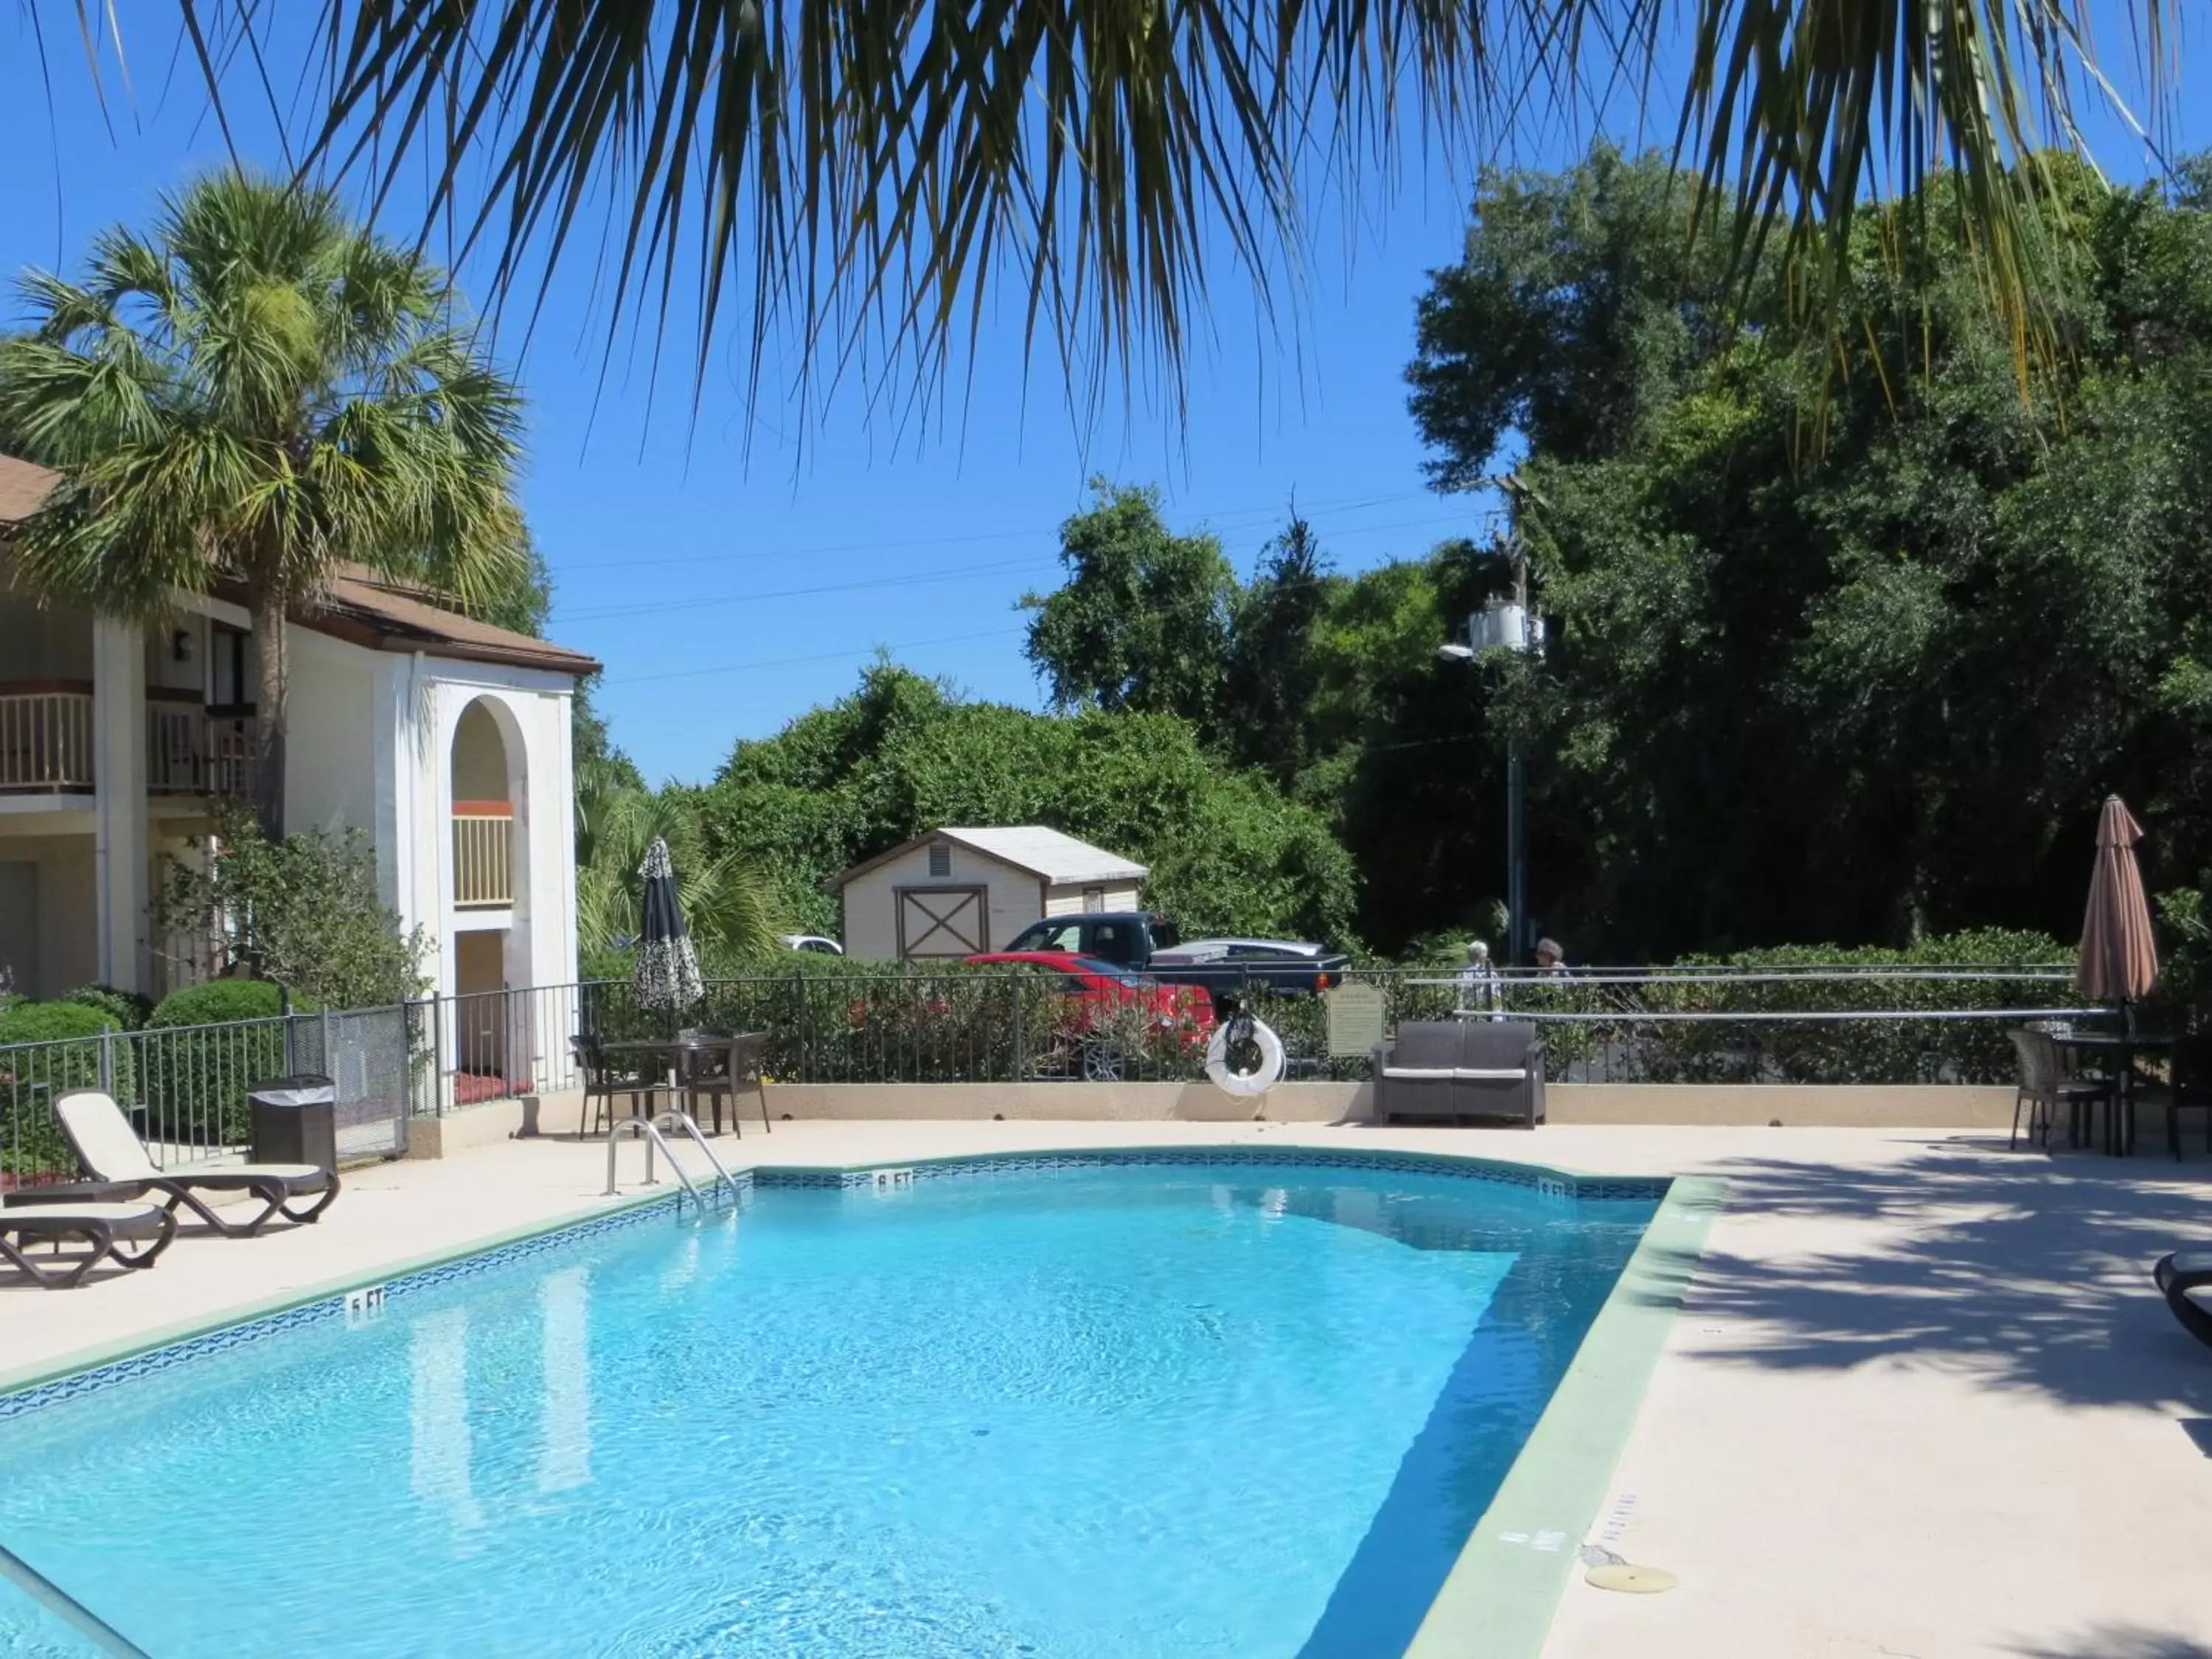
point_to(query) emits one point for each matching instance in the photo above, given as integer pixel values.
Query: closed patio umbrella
(667, 974)
(2118, 961)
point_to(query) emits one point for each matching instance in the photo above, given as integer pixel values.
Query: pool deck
(1922, 1399)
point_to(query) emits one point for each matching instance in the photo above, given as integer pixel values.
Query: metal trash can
(296, 1121)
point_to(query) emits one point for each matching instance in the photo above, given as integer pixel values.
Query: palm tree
(865, 170)
(725, 906)
(254, 395)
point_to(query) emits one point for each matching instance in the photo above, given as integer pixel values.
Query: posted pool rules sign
(1355, 1018)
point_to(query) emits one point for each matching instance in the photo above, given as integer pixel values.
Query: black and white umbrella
(667, 974)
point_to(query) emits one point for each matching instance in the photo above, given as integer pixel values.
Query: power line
(1347, 504)
(819, 656)
(659, 607)
(655, 607)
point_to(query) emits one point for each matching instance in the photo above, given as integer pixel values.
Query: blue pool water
(1132, 1410)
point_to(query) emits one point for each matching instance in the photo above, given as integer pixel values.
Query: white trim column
(120, 855)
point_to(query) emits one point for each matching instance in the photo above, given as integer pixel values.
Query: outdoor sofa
(1461, 1068)
(104, 1230)
(110, 1150)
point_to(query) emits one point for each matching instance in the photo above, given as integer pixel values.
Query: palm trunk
(271, 684)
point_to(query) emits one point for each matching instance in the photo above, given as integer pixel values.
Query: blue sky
(730, 579)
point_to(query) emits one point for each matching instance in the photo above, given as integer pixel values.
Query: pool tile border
(324, 1303)
(1552, 1182)
(162, 1352)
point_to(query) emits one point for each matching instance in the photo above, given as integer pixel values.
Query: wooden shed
(955, 891)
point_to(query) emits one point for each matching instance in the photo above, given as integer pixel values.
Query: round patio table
(2122, 1048)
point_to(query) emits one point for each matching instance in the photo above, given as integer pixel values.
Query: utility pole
(1505, 623)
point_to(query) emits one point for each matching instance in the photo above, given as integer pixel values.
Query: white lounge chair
(105, 1228)
(108, 1147)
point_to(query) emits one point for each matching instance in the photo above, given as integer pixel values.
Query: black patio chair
(721, 1065)
(2188, 1087)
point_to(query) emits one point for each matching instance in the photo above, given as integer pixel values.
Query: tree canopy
(902, 756)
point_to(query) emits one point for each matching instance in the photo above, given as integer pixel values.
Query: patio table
(674, 1048)
(2119, 1049)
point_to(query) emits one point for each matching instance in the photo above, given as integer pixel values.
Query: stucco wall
(163, 670)
(1068, 901)
(1877, 1107)
(52, 644)
(66, 912)
(329, 775)
(1013, 897)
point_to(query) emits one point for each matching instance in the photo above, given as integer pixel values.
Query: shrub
(129, 1009)
(67, 1056)
(218, 1002)
(197, 1079)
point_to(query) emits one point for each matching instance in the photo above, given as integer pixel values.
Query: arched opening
(490, 887)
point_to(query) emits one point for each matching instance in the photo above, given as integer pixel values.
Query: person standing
(1551, 960)
(1478, 981)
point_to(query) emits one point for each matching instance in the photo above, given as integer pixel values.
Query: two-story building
(444, 739)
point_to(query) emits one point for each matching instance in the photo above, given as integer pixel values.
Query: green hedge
(196, 1080)
(46, 1049)
(831, 1019)
(128, 1009)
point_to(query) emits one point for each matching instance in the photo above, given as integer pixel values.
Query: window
(940, 861)
(1094, 899)
(1066, 937)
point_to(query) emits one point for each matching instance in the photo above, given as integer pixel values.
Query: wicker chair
(2045, 1087)
(720, 1066)
(605, 1078)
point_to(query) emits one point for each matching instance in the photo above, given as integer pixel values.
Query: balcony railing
(191, 750)
(45, 737)
(483, 859)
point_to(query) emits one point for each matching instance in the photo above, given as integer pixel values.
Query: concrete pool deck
(1922, 1399)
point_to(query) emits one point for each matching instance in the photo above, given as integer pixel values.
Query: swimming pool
(1073, 1406)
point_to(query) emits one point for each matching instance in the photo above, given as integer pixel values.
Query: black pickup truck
(1146, 942)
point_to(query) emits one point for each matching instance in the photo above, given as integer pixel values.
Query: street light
(1503, 624)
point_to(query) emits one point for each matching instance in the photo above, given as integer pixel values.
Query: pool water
(1116, 1410)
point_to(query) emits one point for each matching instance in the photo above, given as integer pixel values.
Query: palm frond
(866, 173)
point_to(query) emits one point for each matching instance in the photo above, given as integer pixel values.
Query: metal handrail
(648, 1130)
(66, 1607)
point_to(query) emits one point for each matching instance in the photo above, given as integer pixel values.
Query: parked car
(1110, 1013)
(1146, 942)
(814, 942)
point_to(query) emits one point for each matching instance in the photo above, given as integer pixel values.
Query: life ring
(1247, 1084)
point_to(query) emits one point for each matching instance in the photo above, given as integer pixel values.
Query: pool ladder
(649, 1131)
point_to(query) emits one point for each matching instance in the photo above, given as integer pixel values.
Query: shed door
(943, 921)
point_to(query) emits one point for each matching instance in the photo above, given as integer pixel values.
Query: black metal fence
(855, 1023)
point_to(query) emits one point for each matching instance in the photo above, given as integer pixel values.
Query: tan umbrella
(2119, 962)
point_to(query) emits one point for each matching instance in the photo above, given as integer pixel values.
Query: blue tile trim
(1552, 1183)
(76, 1385)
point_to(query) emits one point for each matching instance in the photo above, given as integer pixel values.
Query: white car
(814, 942)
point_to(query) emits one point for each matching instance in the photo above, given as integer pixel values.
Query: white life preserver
(1246, 1084)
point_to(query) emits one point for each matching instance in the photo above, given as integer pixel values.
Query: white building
(954, 892)
(444, 739)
